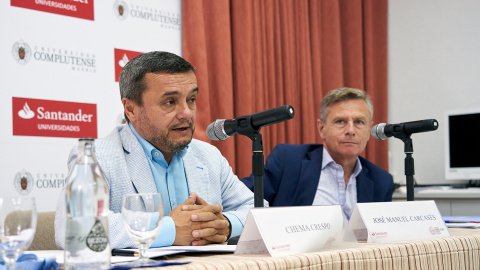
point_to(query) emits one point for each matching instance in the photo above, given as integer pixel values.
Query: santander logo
(26, 113)
(50, 118)
(121, 59)
(83, 9)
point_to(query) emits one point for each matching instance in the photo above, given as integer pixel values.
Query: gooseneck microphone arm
(258, 169)
(409, 165)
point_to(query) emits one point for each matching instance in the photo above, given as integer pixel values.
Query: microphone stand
(409, 164)
(258, 169)
(403, 131)
(249, 125)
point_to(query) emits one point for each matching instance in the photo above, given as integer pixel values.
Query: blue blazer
(292, 173)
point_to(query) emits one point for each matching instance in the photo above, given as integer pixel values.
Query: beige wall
(434, 65)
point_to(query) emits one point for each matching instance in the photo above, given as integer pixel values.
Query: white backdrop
(56, 60)
(433, 66)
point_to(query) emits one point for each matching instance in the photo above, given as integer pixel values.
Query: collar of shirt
(331, 186)
(170, 179)
(328, 161)
(152, 152)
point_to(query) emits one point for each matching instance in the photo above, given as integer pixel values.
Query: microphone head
(378, 131)
(215, 130)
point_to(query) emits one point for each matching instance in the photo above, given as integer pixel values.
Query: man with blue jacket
(332, 173)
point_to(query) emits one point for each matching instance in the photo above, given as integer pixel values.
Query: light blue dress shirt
(171, 183)
(331, 187)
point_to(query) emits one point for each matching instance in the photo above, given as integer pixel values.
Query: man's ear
(130, 108)
(321, 128)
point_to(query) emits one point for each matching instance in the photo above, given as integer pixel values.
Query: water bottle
(87, 204)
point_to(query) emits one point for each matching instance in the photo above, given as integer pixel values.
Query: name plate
(284, 231)
(397, 221)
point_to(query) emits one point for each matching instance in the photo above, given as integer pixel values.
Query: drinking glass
(142, 216)
(18, 221)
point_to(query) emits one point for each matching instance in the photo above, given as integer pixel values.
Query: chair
(44, 238)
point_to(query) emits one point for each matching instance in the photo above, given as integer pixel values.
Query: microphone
(382, 131)
(222, 129)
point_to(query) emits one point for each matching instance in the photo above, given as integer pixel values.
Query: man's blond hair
(343, 94)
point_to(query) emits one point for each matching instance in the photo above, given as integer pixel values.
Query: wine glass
(18, 221)
(142, 216)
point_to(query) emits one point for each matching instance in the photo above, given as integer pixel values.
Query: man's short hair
(343, 94)
(132, 83)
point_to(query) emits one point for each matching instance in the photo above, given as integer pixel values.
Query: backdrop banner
(61, 60)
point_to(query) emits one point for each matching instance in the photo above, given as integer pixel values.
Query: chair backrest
(44, 238)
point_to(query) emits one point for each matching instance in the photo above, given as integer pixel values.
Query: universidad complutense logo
(21, 52)
(51, 118)
(74, 60)
(82, 9)
(121, 59)
(165, 19)
(120, 8)
(23, 182)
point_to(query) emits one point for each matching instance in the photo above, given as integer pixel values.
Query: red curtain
(254, 55)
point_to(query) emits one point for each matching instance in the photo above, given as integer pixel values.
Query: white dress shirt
(331, 187)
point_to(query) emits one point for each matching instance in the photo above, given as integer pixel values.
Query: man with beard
(154, 152)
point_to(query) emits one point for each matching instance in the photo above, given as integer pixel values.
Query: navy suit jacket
(292, 173)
